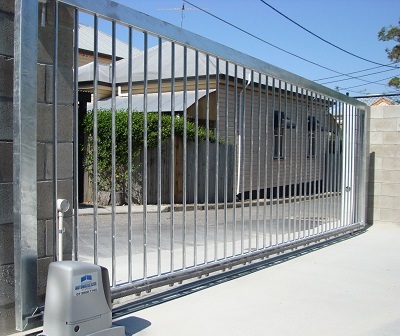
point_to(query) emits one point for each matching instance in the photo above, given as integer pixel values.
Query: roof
(376, 100)
(152, 101)
(86, 42)
(166, 65)
(85, 72)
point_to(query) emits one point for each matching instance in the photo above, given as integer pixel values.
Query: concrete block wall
(384, 170)
(45, 160)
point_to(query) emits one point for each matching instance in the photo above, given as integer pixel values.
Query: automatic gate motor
(78, 301)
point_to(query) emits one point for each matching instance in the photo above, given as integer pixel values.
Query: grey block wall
(45, 226)
(384, 171)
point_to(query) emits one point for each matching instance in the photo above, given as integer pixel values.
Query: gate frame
(25, 138)
(25, 162)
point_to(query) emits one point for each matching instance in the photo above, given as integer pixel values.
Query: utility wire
(377, 82)
(366, 75)
(352, 73)
(274, 46)
(322, 39)
(266, 42)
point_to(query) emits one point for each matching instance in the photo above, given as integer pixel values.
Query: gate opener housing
(78, 301)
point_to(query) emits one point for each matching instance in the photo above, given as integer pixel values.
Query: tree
(392, 34)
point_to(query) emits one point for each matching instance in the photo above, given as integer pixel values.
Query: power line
(351, 73)
(359, 77)
(377, 82)
(268, 43)
(322, 39)
(262, 40)
(274, 46)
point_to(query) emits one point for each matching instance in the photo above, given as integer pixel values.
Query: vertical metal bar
(271, 189)
(303, 162)
(297, 159)
(172, 164)
(265, 167)
(351, 167)
(329, 163)
(309, 163)
(243, 156)
(259, 162)
(25, 161)
(196, 154)
(55, 130)
(207, 155)
(159, 157)
(348, 163)
(342, 180)
(349, 209)
(144, 179)
(333, 135)
(317, 164)
(357, 173)
(130, 228)
(291, 224)
(251, 150)
(113, 156)
(279, 163)
(316, 182)
(323, 166)
(356, 164)
(285, 182)
(216, 187)
(362, 167)
(226, 157)
(235, 155)
(184, 154)
(325, 177)
(95, 139)
(338, 163)
(76, 140)
(321, 221)
(335, 154)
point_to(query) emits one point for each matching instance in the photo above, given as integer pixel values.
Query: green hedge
(104, 132)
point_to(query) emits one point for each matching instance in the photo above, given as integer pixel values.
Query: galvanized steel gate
(255, 160)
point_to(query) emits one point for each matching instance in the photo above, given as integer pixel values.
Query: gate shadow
(132, 324)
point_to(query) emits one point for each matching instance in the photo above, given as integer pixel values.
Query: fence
(286, 156)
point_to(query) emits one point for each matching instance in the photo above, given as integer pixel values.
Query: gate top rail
(127, 16)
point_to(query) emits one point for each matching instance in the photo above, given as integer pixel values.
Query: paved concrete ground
(349, 288)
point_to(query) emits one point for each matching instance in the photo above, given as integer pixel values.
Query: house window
(311, 144)
(279, 131)
(312, 128)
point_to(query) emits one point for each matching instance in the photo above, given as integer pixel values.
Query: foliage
(104, 141)
(392, 34)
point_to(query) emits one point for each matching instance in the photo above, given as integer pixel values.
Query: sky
(352, 25)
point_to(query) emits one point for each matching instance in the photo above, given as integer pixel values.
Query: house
(272, 125)
(86, 47)
(377, 100)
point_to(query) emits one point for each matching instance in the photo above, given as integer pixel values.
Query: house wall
(44, 148)
(384, 170)
(296, 167)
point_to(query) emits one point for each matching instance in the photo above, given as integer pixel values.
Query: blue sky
(351, 24)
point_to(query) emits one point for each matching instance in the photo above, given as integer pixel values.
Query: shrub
(104, 141)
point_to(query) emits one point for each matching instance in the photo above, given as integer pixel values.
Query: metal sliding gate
(219, 158)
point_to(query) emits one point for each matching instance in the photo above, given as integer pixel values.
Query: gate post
(25, 160)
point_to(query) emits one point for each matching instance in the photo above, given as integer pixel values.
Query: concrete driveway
(349, 288)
